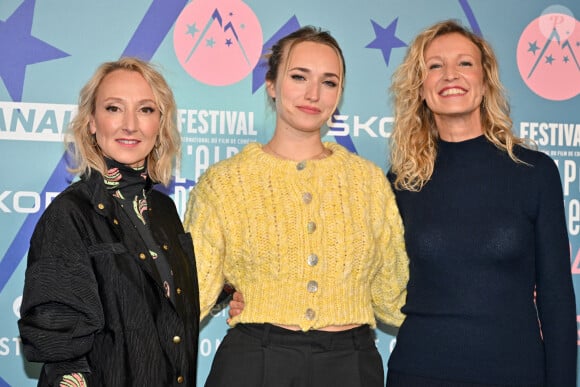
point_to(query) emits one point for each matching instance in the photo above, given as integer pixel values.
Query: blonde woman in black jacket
(111, 295)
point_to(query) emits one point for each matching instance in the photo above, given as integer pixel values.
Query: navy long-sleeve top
(482, 235)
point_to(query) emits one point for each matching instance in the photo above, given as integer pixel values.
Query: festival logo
(548, 54)
(218, 42)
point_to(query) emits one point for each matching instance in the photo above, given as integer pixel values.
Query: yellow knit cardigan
(312, 244)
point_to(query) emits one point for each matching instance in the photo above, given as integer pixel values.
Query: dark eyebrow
(305, 70)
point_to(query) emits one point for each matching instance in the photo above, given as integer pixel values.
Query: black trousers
(264, 355)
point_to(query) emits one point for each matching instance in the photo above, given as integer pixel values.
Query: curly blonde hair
(80, 143)
(414, 137)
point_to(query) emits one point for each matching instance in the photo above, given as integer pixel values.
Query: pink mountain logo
(548, 54)
(217, 42)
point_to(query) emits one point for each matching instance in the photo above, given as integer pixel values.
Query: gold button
(101, 206)
(142, 256)
(310, 314)
(311, 227)
(180, 379)
(312, 286)
(176, 339)
(312, 260)
(301, 165)
(115, 221)
(178, 290)
(165, 247)
(306, 197)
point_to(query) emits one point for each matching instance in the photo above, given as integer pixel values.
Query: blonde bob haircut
(414, 137)
(81, 144)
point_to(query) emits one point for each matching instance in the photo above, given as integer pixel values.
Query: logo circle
(548, 54)
(217, 42)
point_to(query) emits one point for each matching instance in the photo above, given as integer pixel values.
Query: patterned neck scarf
(128, 184)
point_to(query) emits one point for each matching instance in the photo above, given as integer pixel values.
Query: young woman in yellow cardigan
(308, 232)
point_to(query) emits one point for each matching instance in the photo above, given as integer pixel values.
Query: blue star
(566, 59)
(19, 49)
(192, 30)
(533, 47)
(210, 42)
(228, 42)
(385, 39)
(549, 59)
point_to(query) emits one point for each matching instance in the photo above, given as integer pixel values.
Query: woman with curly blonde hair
(490, 298)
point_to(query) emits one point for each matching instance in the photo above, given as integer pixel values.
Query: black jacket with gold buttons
(93, 300)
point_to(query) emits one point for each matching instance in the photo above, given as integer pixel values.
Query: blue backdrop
(210, 52)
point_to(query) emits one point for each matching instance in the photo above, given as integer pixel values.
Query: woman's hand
(236, 305)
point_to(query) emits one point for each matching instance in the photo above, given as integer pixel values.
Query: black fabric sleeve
(61, 309)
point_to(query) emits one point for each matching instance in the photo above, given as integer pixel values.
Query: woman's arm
(61, 310)
(389, 286)
(202, 221)
(555, 293)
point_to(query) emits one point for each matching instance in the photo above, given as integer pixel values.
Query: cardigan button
(311, 227)
(312, 260)
(310, 314)
(116, 222)
(165, 247)
(178, 290)
(176, 339)
(142, 256)
(101, 206)
(180, 379)
(312, 286)
(301, 165)
(306, 197)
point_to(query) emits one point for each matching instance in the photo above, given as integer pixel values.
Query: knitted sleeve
(555, 294)
(389, 286)
(203, 222)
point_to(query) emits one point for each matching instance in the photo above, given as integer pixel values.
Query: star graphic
(210, 42)
(20, 49)
(566, 59)
(533, 47)
(385, 39)
(549, 59)
(228, 42)
(192, 30)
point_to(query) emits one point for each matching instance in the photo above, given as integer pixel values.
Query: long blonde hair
(81, 144)
(414, 137)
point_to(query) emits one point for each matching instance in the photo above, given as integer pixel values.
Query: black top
(94, 301)
(481, 235)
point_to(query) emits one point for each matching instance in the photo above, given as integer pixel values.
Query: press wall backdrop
(210, 52)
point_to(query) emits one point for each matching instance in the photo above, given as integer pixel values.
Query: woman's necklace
(324, 154)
